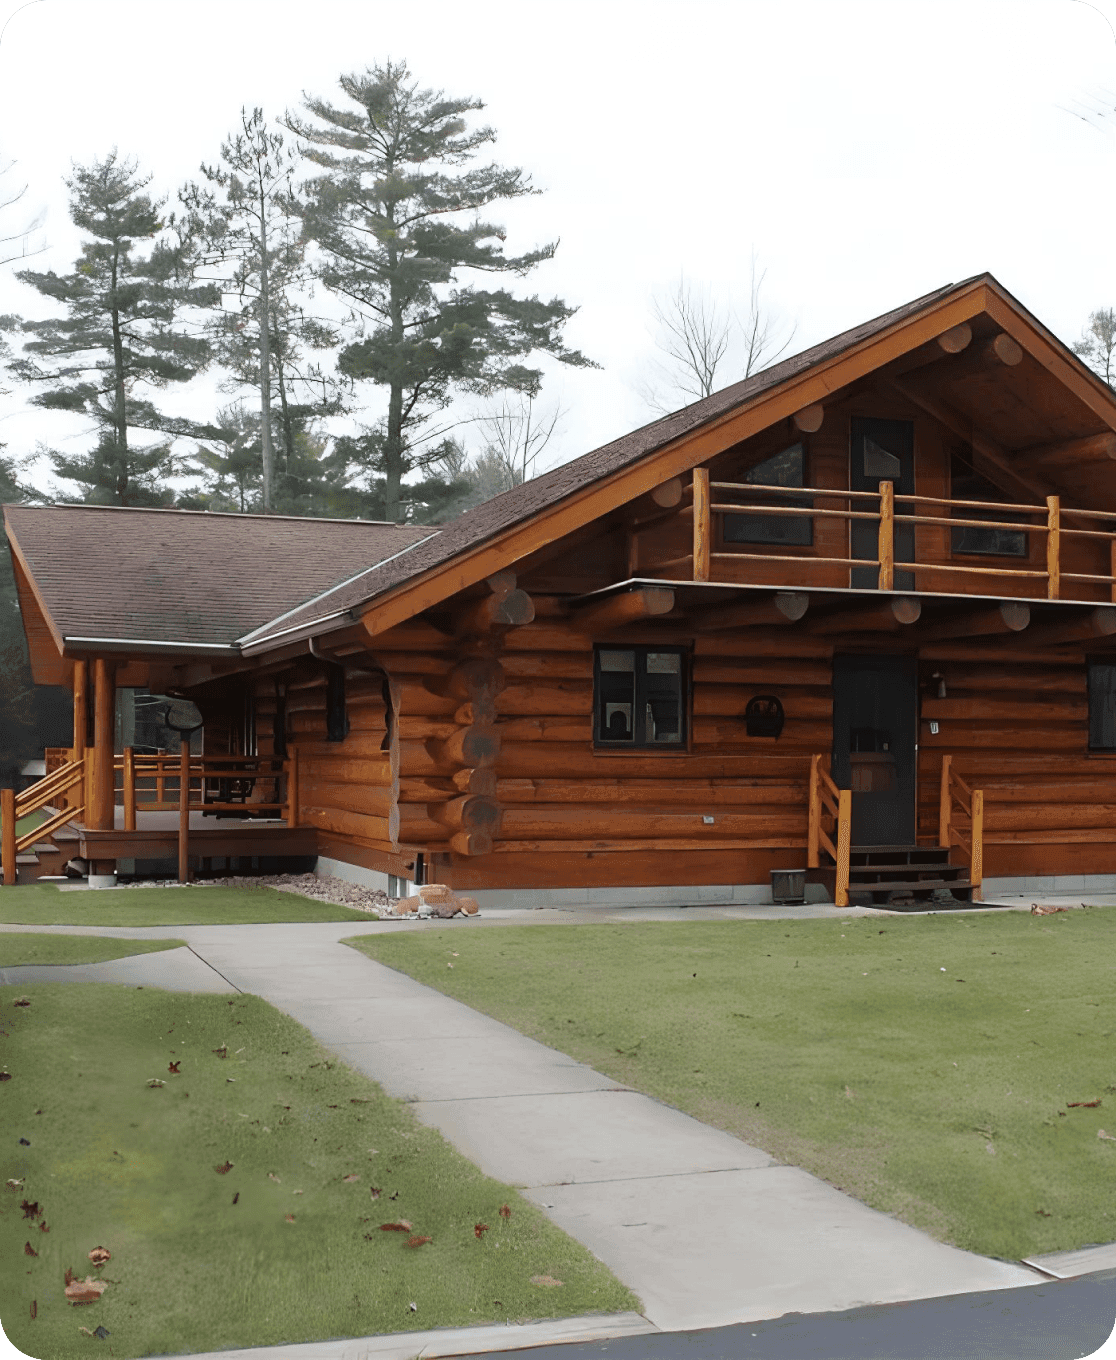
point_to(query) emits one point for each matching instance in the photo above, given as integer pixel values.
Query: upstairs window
(639, 697)
(787, 468)
(968, 485)
(1102, 706)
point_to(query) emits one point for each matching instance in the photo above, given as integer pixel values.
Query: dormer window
(785, 468)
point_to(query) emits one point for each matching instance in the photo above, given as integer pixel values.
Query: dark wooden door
(881, 451)
(875, 744)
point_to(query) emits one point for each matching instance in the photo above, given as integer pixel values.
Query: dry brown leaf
(376, 1191)
(400, 1225)
(34, 1309)
(479, 1230)
(353, 1176)
(174, 1067)
(43, 1228)
(236, 1197)
(546, 1281)
(99, 1255)
(505, 1212)
(417, 1241)
(1082, 1104)
(29, 1250)
(222, 1052)
(88, 1290)
(155, 1082)
(1036, 910)
(22, 1001)
(224, 1170)
(5, 1076)
(273, 1177)
(31, 1209)
(14, 1185)
(290, 1218)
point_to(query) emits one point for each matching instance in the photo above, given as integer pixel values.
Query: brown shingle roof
(513, 507)
(174, 576)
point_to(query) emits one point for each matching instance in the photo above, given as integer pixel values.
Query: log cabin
(854, 616)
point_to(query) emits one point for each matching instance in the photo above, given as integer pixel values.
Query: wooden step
(901, 884)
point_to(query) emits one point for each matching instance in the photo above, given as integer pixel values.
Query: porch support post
(129, 788)
(945, 803)
(81, 707)
(102, 776)
(184, 811)
(844, 847)
(976, 862)
(8, 831)
(1053, 535)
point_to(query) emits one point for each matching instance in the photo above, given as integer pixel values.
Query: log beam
(633, 606)
(475, 680)
(467, 813)
(786, 606)
(1093, 448)
(956, 339)
(874, 617)
(467, 748)
(809, 419)
(1011, 616)
(1096, 623)
(494, 613)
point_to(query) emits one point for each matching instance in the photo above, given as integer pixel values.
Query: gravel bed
(337, 891)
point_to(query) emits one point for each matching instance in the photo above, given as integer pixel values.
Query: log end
(669, 494)
(809, 419)
(792, 604)
(906, 608)
(956, 338)
(1007, 350)
(1016, 614)
(471, 843)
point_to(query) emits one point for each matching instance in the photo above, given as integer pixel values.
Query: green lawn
(923, 1064)
(242, 1200)
(40, 904)
(18, 948)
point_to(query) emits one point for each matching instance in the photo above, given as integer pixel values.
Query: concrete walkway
(707, 1230)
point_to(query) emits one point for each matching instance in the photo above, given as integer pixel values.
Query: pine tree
(261, 333)
(397, 216)
(118, 336)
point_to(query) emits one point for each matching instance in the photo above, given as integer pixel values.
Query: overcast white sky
(868, 150)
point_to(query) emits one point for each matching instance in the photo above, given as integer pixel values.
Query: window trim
(1090, 662)
(641, 649)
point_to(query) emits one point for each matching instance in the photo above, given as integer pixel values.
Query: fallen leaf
(1036, 910)
(1044, 1213)
(225, 1169)
(273, 1177)
(29, 1250)
(505, 1212)
(21, 1002)
(15, 1185)
(5, 1076)
(479, 1230)
(1111, 1137)
(290, 1218)
(174, 1066)
(99, 1255)
(88, 1290)
(43, 1228)
(298, 1192)
(85, 1331)
(360, 1100)
(849, 1093)
(222, 1052)
(417, 1241)
(400, 1225)
(155, 1082)
(353, 1176)
(546, 1281)
(376, 1191)
(31, 1209)
(236, 1197)
(34, 1309)
(413, 1307)
(1082, 1104)
(25, 1142)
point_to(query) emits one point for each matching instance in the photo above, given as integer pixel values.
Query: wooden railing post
(844, 847)
(813, 831)
(81, 707)
(945, 803)
(976, 865)
(129, 788)
(184, 812)
(886, 552)
(292, 787)
(1053, 535)
(8, 832)
(702, 524)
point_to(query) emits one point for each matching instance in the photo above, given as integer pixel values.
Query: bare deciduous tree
(701, 336)
(515, 434)
(1097, 345)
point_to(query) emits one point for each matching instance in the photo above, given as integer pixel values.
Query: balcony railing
(888, 510)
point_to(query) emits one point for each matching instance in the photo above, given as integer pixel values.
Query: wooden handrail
(955, 792)
(821, 800)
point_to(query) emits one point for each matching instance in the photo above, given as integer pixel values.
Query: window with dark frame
(639, 697)
(785, 468)
(966, 484)
(337, 721)
(1102, 706)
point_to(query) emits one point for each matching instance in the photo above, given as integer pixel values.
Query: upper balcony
(748, 534)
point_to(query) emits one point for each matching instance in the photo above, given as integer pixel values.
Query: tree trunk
(121, 414)
(288, 428)
(265, 362)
